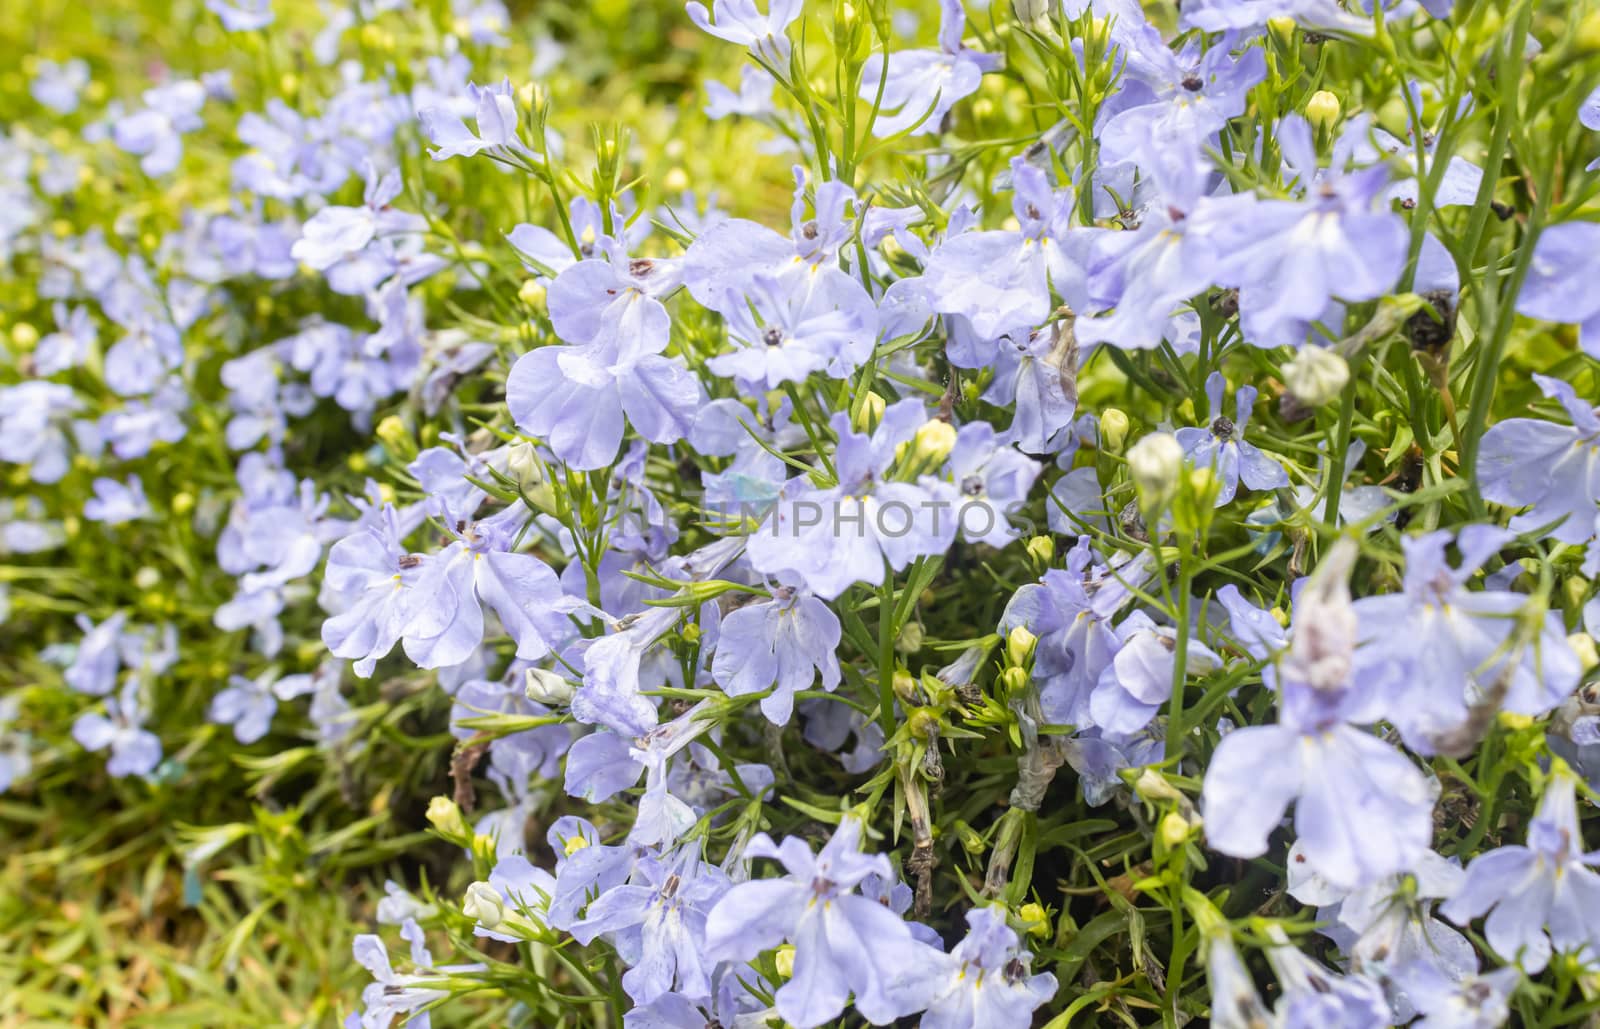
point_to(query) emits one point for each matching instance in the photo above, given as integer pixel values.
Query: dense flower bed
(1037, 512)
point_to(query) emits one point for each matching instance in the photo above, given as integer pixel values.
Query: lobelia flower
(1235, 1004)
(1138, 680)
(1552, 469)
(657, 922)
(742, 23)
(1001, 280)
(134, 749)
(249, 704)
(58, 85)
(70, 345)
(753, 99)
(786, 329)
(115, 503)
(1540, 897)
(393, 995)
(832, 537)
(155, 134)
(783, 645)
(585, 868)
(1218, 15)
(1565, 257)
(1290, 258)
(918, 87)
(496, 108)
(242, 15)
(1388, 929)
(994, 481)
(1453, 648)
(339, 234)
(1184, 97)
(1221, 446)
(844, 943)
(1070, 611)
(1314, 998)
(1476, 1002)
(603, 763)
(135, 429)
(986, 981)
(579, 398)
(32, 416)
(1362, 810)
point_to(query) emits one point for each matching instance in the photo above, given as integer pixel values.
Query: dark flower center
(972, 485)
(639, 267)
(772, 337)
(1222, 428)
(809, 230)
(1193, 83)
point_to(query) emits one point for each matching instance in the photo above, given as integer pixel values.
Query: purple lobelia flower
(741, 22)
(1362, 810)
(242, 15)
(1143, 274)
(155, 133)
(986, 982)
(604, 762)
(70, 345)
(1221, 445)
(135, 750)
(338, 234)
(57, 85)
(783, 645)
(832, 537)
(1475, 1002)
(1454, 647)
(1218, 15)
(1070, 611)
(785, 329)
(1138, 680)
(496, 108)
(993, 481)
(249, 704)
(1186, 97)
(844, 943)
(33, 432)
(1314, 997)
(579, 398)
(1565, 259)
(657, 922)
(116, 502)
(1002, 280)
(1291, 258)
(918, 87)
(1541, 897)
(1552, 469)
(395, 994)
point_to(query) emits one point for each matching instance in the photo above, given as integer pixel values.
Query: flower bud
(905, 685)
(783, 961)
(924, 724)
(147, 578)
(1113, 429)
(1014, 680)
(1154, 463)
(910, 639)
(1033, 916)
(1042, 549)
(182, 503)
(543, 686)
(532, 293)
(522, 464)
(484, 905)
(24, 335)
(1322, 110)
(1282, 27)
(1316, 376)
(1174, 830)
(1030, 11)
(871, 413)
(394, 435)
(1583, 644)
(1019, 645)
(444, 816)
(934, 441)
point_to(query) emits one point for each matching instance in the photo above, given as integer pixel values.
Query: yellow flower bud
(1014, 680)
(1174, 830)
(1042, 549)
(532, 293)
(872, 408)
(1019, 645)
(182, 503)
(445, 816)
(934, 441)
(910, 639)
(24, 335)
(1583, 644)
(1033, 916)
(1322, 110)
(394, 435)
(783, 960)
(1113, 429)
(677, 181)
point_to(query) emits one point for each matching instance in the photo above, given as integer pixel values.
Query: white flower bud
(1030, 11)
(1316, 376)
(543, 686)
(484, 905)
(1154, 462)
